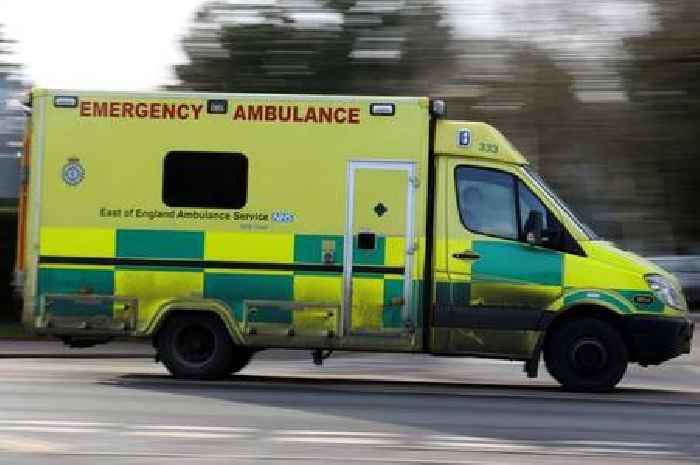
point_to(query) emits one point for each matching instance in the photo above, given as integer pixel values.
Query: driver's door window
(554, 235)
(486, 200)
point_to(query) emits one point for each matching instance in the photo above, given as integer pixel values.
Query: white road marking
(58, 423)
(229, 429)
(29, 446)
(452, 443)
(182, 434)
(258, 457)
(336, 440)
(484, 446)
(51, 429)
(335, 433)
(611, 443)
(611, 450)
(465, 438)
(476, 443)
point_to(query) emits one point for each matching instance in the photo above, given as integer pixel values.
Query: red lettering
(155, 110)
(169, 111)
(337, 117)
(99, 108)
(354, 117)
(84, 108)
(141, 110)
(182, 111)
(197, 109)
(289, 113)
(255, 112)
(240, 113)
(128, 109)
(310, 115)
(325, 115)
(282, 116)
(297, 118)
(114, 109)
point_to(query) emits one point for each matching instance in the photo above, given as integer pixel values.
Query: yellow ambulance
(219, 225)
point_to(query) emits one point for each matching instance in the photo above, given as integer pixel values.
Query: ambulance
(219, 225)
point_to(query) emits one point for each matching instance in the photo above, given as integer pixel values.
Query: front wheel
(241, 358)
(194, 346)
(586, 355)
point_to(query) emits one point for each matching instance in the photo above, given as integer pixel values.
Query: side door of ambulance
(378, 253)
(498, 285)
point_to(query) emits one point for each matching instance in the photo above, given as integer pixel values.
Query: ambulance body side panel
(111, 247)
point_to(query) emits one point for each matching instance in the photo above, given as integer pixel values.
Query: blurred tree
(11, 129)
(522, 90)
(553, 84)
(11, 120)
(662, 81)
(565, 103)
(10, 87)
(337, 46)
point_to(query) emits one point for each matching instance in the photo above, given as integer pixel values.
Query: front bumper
(655, 339)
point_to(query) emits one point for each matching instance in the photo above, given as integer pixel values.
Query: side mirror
(534, 227)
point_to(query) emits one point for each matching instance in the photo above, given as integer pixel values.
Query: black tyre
(196, 346)
(586, 355)
(241, 358)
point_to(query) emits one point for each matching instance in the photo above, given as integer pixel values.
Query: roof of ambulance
(40, 91)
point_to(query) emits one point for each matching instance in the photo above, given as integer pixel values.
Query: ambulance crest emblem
(73, 172)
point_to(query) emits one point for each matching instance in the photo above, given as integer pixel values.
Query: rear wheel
(196, 346)
(586, 355)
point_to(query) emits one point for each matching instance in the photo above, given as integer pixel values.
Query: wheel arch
(583, 310)
(198, 307)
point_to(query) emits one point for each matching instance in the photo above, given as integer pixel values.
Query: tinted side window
(529, 202)
(554, 235)
(205, 180)
(486, 200)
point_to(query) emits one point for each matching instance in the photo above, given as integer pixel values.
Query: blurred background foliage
(334, 46)
(606, 108)
(11, 128)
(11, 119)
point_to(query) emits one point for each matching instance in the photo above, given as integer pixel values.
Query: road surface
(356, 409)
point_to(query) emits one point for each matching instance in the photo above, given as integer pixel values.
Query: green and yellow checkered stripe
(377, 296)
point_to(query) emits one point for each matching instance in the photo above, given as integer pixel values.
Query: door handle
(466, 255)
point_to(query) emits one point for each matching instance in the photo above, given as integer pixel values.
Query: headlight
(665, 291)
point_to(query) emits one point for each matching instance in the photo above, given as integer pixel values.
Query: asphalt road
(357, 408)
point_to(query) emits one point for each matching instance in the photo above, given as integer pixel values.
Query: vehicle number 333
(488, 148)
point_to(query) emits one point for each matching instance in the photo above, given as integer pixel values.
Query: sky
(97, 44)
(132, 44)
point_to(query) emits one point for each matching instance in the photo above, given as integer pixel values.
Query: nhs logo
(464, 138)
(283, 217)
